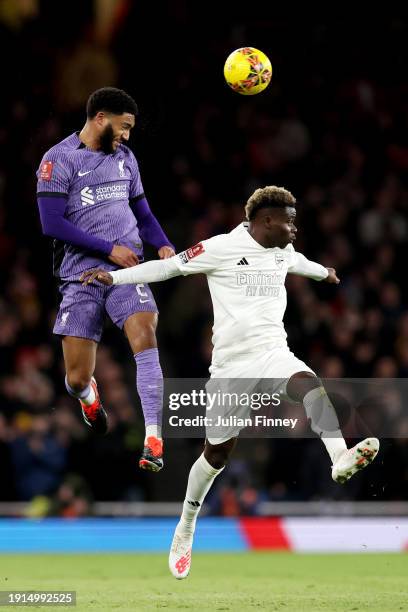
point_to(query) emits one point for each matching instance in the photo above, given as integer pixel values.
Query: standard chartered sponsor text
(109, 192)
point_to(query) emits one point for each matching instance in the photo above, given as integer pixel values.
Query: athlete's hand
(165, 252)
(332, 277)
(96, 274)
(123, 257)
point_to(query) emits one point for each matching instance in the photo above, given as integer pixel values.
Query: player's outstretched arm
(149, 272)
(200, 258)
(304, 267)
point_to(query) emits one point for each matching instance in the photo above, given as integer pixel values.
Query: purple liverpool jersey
(98, 187)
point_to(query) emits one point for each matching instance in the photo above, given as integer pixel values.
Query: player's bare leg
(307, 388)
(140, 329)
(201, 477)
(80, 358)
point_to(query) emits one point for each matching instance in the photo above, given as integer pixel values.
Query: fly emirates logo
(116, 191)
(260, 283)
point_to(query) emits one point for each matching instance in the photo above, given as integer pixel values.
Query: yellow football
(248, 71)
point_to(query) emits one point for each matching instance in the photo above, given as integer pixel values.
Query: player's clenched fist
(98, 274)
(332, 276)
(124, 257)
(165, 252)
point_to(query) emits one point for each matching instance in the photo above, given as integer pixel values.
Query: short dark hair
(110, 100)
(268, 197)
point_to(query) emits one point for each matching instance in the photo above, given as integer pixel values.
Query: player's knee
(216, 459)
(145, 337)
(300, 384)
(78, 381)
(148, 332)
(140, 330)
(217, 455)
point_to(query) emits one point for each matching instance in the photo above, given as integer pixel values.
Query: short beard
(106, 140)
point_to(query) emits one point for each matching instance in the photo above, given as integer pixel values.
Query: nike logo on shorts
(83, 173)
(143, 301)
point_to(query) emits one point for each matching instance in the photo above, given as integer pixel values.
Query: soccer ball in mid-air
(248, 71)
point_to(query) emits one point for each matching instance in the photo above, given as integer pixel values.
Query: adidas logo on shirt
(243, 262)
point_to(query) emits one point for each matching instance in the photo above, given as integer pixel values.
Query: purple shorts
(82, 309)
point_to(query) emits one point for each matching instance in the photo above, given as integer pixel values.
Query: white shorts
(263, 372)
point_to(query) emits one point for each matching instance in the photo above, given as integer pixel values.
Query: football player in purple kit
(91, 201)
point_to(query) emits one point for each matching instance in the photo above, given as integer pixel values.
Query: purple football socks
(149, 382)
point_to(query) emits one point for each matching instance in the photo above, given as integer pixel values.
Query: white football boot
(354, 459)
(180, 554)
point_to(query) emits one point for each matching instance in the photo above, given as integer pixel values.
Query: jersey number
(139, 289)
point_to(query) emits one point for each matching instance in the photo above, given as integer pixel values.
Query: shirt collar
(79, 143)
(244, 227)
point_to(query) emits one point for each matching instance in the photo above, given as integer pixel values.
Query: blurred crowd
(332, 128)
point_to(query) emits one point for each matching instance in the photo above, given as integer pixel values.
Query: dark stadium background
(332, 128)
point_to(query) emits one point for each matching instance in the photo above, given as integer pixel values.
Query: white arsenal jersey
(247, 286)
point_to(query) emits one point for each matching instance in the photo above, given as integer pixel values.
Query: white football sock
(153, 430)
(324, 421)
(87, 395)
(200, 479)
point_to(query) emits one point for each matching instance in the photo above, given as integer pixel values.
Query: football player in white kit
(246, 271)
